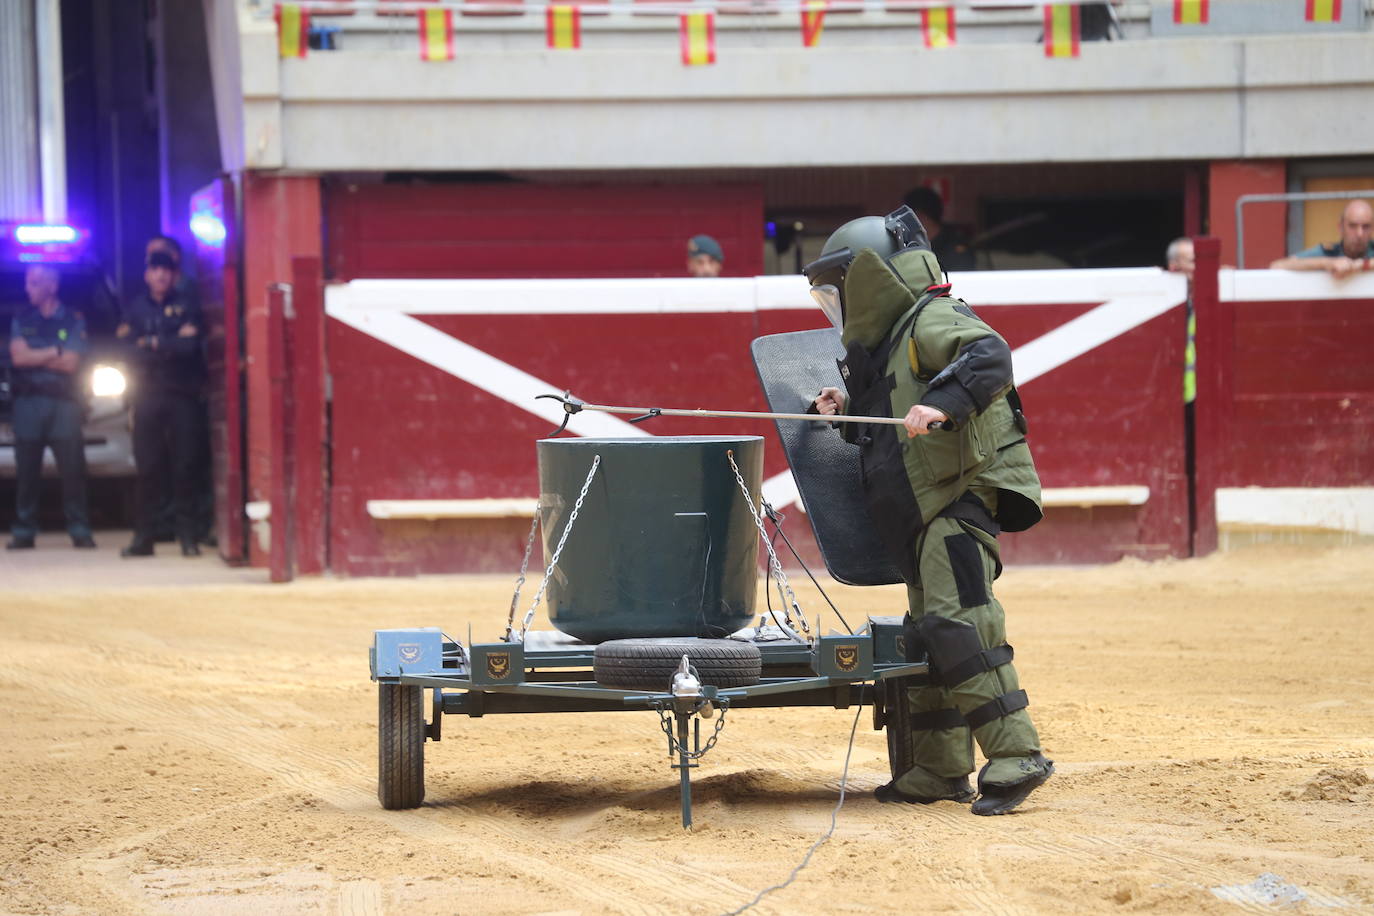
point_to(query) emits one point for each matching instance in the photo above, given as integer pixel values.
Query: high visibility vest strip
(1061, 30)
(937, 26)
(293, 30)
(563, 26)
(436, 34)
(698, 33)
(812, 22)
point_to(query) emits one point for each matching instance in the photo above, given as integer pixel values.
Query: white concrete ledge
(433, 509)
(1324, 508)
(1087, 497)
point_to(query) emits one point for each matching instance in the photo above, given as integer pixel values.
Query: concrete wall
(878, 103)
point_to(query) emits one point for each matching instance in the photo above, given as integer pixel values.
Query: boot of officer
(937, 498)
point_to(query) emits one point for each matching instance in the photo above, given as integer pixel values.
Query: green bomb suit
(938, 501)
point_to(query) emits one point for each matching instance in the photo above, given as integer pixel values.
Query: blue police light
(46, 235)
(208, 228)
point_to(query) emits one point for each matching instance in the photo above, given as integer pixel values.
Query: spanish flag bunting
(698, 34)
(812, 21)
(1323, 11)
(1061, 30)
(436, 34)
(1191, 12)
(293, 30)
(937, 24)
(563, 26)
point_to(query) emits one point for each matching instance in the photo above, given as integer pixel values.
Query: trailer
(652, 575)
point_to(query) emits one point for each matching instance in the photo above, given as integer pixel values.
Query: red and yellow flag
(1061, 30)
(812, 21)
(698, 34)
(1323, 11)
(293, 30)
(1191, 12)
(937, 24)
(563, 26)
(436, 34)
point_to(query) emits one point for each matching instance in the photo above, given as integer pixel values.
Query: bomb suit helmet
(886, 235)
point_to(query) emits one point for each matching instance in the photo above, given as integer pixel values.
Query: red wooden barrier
(434, 384)
(278, 422)
(217, 262)
(1285, 387)
(307, 435)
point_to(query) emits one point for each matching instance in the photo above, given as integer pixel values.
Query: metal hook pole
(572, 405)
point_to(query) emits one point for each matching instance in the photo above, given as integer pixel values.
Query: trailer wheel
(901, 755)
(400, 746)
(648, 664)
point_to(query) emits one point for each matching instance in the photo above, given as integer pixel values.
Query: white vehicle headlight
(107, 382)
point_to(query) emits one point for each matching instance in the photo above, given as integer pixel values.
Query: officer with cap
(705, 258)
(163, 337)
(938, 492)
(47, 341)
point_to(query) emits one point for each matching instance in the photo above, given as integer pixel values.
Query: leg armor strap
(976, 664)
(996, 708)
(936, 720)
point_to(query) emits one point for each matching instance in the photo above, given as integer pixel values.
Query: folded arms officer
(47, 341)
(163, 337)
(937, 498)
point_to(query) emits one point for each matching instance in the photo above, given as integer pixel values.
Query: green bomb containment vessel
(651, 553)
(665, 542)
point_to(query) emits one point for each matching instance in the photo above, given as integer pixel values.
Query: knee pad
(955, 650)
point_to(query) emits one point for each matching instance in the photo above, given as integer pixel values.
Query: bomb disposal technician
(938, 498)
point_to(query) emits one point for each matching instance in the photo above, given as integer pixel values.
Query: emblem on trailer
(408, 651)
(846, 657)
(498, 665)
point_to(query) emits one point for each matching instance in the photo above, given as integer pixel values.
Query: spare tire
(649, 664)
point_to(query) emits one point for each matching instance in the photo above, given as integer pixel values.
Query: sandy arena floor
(210, 749)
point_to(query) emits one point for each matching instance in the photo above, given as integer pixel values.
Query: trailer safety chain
(524, 565)
(777, 518)
(786, 596)
(557, 551)
(665, 722)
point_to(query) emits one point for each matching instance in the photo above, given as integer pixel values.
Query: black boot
(959, 790)
(1000, 799)
(140, 547)
(189, 548)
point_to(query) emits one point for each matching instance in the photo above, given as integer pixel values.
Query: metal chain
(665, 722)
(786, 596)
(557, 551)
(524, 565)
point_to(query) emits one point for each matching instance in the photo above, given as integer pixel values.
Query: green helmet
(886, 235)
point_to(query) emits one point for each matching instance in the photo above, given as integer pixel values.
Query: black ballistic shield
(792, 368)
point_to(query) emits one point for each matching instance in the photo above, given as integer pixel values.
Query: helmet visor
(827, 296)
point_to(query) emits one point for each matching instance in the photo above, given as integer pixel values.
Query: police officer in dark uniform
(163, 337)
(47, 341)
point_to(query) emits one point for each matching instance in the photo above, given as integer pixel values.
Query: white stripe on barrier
(1292, 285)
(731, 294)
(481, 370)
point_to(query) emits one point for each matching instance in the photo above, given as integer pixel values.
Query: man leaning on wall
(1351, 254)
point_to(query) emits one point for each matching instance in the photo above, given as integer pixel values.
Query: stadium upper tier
(624, 84)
